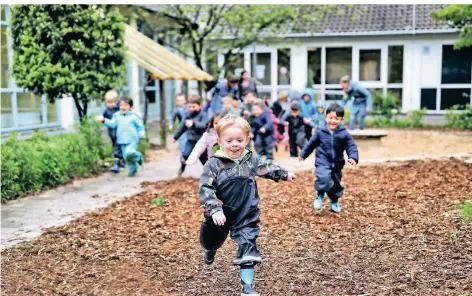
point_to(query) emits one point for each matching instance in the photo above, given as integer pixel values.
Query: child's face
(124, 107)
(180, 101)
(333, 121)
(216, 120)
(306, 98)
(257, 110)
(227, 105)
(295, 113)
(111, 102)
(249, 98)
(233, 140)
(192, 107)
(320, 109)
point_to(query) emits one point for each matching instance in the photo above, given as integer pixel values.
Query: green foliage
(414, 120)
(68, 49)
(466, 210)
(458, 16)
(46, 161)
(459, 118)
(159, 201)
(415, 117)
(385, 104)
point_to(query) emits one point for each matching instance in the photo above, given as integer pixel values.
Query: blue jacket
(195, 132)
(179, 113)
(330, 147)
(360, 94)
(108, 113)
(319, 118)
(129, 127)
(218, 92)
(308, 109)
(262, 121)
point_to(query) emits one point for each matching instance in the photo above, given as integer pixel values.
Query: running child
(228, 193)
(230, 105)
(296, 129)
(180, 111)
(129, 130)
(262, 131)
(194, 123)
(109, 108)
(330, 141)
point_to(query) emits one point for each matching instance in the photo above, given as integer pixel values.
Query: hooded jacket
(129, 127)
(308, 109)
(331, 146)
(196, 131)
(360, 94)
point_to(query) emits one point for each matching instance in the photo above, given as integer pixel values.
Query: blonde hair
(283, 94)
(345, 79)
(260, 103)
(230, 120)
(227, 99)
(112, 94)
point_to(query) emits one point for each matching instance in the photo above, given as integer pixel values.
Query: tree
(458, 16)
(68, 49)
(200, 30)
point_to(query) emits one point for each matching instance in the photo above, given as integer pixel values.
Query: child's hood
(322, 105)
(339, 129)
(308, 91)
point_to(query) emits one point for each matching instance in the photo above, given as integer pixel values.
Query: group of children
(228, 191)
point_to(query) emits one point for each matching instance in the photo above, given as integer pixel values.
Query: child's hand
(188, 123)
(291, 176)
(262, 130)
(352, 161)
(306, 120)
(100, 118)
(286, 123)
(171, 128)
(247, 113)
(219, 218)
(367, 109)
(300, 159)
(276, 121)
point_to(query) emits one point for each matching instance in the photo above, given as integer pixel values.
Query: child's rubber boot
(318, 203)
(247, 289)
(335, 207)
(116, 167)
(209, 257)
(121, 163)
(141, 160)
(181, 170)
(133, 169)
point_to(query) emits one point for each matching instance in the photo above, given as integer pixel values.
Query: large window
(283, 66)
(263, 68)
(369, 65)
(7, 112)
(395, 64)
(338, 63)
(237, 64)
(314, 65)
(454, 96)
(456, 65)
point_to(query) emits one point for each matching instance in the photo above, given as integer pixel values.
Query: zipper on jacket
(332, 145)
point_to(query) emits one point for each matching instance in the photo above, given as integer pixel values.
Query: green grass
(159, 201)
(466, 211)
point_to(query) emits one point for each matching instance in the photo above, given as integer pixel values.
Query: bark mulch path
(399, 234)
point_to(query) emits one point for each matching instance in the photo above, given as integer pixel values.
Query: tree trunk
(80, 110)
(146, 103)
(163, 121)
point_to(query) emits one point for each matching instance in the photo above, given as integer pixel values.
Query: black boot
(121, 163)
(246, 289)
(116, 167)
(181, 170)
(209, 257)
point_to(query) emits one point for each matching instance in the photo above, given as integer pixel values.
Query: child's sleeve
(351, 148)
(311, 145)
(269, 124)
(207, 191)
(138, 123)
(174, 116)
(199, 148)
(367, 94)
(201, 125)
(270, 171)
(111, 123)
(180, 130)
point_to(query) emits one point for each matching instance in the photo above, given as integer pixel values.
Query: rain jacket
(195, 132)
(308, 109)
(129, 127)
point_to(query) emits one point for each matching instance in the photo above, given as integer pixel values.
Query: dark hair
(195, 99)
(127, 101)
(219, 114)
(233, 79)
(241, 76)
(260, 103)
(295, 106)
(335, 108)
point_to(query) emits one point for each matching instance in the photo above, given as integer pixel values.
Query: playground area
(400, 233)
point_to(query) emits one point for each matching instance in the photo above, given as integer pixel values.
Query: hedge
(44, 161)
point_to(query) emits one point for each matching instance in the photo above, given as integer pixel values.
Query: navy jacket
(295, 124)
(262, 121)
(330, 147)
(195, 132)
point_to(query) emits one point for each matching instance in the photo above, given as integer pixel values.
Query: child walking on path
(109, 108)
(262, 130)
(296, 129)
(319, 117)
(228, 193)
(194, 123)
(129, 130)
(330, 141)
(180, 111)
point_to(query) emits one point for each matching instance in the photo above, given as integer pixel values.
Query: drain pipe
(412, 65)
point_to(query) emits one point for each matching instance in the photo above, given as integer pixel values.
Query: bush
(46, 161)
(385, 105)
(459, 119)
(414, 119)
